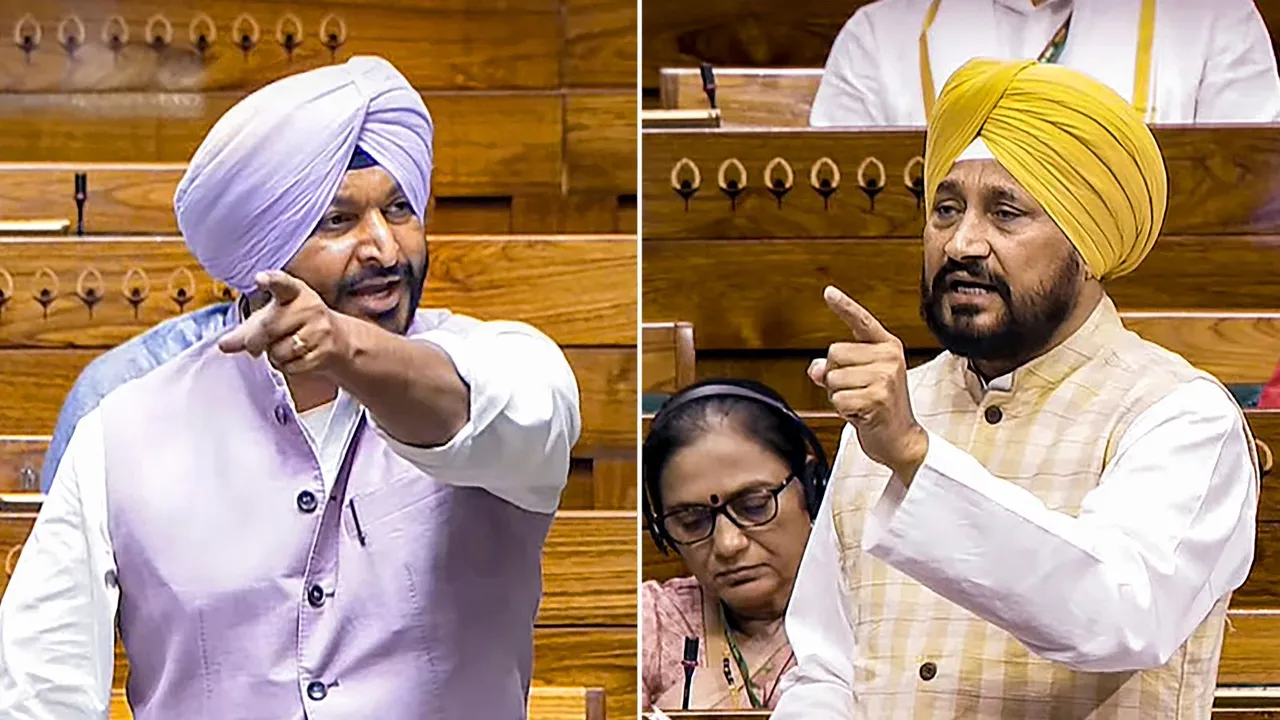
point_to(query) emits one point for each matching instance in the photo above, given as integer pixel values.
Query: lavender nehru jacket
(246, 593)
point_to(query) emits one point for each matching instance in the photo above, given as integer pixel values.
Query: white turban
(266, 173)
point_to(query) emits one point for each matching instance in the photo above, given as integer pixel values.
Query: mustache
(400, 271)
(972, 271)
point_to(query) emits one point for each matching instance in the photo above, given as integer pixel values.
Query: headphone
(813, 478)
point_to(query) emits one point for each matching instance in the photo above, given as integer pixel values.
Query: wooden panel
(486, 143)
(1262, 588)
(486, 44)
(761, 97)
(556, 703)
(579, 493)
(600, 140)
(589, 569)
(600, 43)
(759, 33)
(668, 350)
(1221, 181)
(37, 382)
(784, 371)
(768, 294)
(1249, 648)
(607, 398)
(20, 460)
(613, 483)
(1234, 347)
(592, 657)
(579, 290)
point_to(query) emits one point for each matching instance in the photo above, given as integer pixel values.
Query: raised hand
(297, 330)
(866, 382)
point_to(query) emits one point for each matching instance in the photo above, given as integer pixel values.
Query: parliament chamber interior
(533, 219)
(748, 213)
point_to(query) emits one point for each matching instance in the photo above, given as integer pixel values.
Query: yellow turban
(1077, 147)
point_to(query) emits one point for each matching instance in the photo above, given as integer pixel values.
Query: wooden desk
(746, 97)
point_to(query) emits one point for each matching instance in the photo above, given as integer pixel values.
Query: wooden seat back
(533, 102)
(668, 356)
(746, 97)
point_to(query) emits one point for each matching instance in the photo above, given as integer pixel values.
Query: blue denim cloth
(126, 362)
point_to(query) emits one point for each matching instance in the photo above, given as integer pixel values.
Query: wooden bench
(739, 33)
(585, 632)
(746, 97)
(577, 289)
(545, 703)
(533, 102)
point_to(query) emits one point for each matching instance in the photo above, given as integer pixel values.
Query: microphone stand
(690, 662)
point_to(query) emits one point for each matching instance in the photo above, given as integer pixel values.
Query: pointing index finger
(861, 323)
(284, 288)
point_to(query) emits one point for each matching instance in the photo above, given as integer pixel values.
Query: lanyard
(740, 662)
(1051, 53)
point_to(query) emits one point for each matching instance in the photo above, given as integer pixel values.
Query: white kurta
(1168, 531)
(57, 619)
(1211, 62)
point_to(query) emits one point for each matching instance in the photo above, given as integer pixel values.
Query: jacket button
(315, 596)
(282, 415)
(928, 671)
(993, 415)
(316, 690)
(307, 501)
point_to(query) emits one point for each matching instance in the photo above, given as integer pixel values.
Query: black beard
(414, 279)
(1027, 325)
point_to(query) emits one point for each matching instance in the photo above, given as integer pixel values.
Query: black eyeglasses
(695, 523)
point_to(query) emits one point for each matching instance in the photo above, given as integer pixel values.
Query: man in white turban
(337, 506)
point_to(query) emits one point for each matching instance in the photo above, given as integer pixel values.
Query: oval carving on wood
(11, 559)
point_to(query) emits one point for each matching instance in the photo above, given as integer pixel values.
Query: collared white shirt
(1168, 531)
(57, 616)
(1211, 61)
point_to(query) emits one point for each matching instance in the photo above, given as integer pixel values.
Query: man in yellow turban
(1049, 518)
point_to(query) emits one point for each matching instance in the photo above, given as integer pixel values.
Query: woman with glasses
(731, 480)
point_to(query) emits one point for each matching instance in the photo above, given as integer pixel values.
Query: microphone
(82, 194)
(709, 84)
(690, 662)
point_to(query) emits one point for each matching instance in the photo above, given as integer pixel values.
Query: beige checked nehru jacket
(1059, 426)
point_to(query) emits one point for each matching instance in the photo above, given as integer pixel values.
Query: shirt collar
(1004, 383)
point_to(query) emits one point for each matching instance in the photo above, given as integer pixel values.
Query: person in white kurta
(1060, 530)
(1209, 62)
